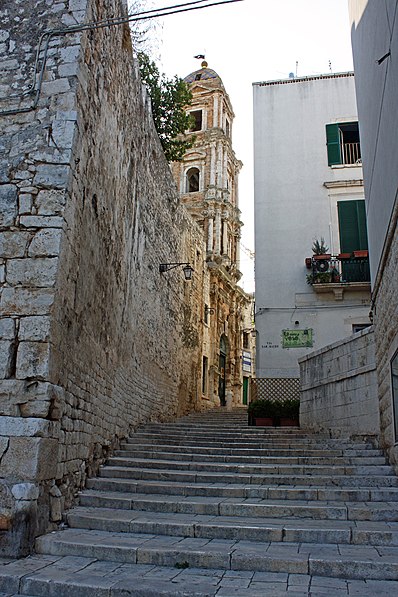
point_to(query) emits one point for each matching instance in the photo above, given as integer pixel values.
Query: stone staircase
(210, 506)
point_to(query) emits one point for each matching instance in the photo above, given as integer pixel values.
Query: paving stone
(198, 508)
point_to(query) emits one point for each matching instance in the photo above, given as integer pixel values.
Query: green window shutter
(352, 226)
(333, 144)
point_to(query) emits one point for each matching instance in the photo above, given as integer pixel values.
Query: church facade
(207, 180)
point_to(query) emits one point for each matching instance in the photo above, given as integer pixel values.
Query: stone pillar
(225, 237)
(210, 228)
(225, 169)
(220, 165)
(213, 165)
(215, 111)
(217, 248)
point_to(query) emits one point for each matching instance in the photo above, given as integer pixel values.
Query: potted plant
(363, 254)
(320, 249)
(262, 413)
(289, 411)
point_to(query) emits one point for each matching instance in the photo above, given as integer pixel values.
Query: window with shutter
(352, 226)
(342, 142)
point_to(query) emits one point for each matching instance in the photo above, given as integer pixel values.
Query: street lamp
(187, 269)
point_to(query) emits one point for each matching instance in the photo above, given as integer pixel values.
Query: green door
(245, 390)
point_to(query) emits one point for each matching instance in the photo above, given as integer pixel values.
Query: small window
(193, 180)
(198, 77)
(197, 120)
(343, 144)
(245, 340)
(205, 365)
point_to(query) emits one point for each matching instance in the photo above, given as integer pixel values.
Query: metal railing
(351, 153)
(339, 270)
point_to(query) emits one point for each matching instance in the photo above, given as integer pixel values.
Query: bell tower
(207, 176)
(207, 179)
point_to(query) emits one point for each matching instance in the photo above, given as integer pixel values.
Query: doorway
(222, 364)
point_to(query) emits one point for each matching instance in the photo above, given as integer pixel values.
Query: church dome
(204, 74)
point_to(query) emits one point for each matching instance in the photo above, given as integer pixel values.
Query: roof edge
(303, 79)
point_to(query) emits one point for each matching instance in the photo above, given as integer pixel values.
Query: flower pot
(343, 256)
(287, 422)
(263, 421)
(361, 254)
(320, 257)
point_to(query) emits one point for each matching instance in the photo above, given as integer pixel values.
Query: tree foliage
(169, 98)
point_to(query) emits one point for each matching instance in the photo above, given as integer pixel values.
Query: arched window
(192, 180)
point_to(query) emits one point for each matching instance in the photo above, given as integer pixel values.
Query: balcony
(339, 273)
(351, 153)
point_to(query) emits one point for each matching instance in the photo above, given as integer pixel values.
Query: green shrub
(289, 409)
(263, 408)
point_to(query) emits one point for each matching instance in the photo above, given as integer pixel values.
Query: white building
(375, 47)
(308, 185)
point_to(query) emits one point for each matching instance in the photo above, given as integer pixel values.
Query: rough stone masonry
(93, 340)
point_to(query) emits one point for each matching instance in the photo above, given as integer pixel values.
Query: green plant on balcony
(319, 278)
(319, 247)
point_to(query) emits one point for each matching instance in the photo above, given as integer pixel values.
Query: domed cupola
(204, 74)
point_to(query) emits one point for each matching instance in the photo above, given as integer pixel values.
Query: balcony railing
(340, 269)
(351, 153)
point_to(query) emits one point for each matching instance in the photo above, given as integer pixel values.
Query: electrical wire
(45, 38)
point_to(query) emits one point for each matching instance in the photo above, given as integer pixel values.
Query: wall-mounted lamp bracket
(187, 269)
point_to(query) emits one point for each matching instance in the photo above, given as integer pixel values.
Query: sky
(251, 41)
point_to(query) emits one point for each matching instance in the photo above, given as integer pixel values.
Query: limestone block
(32, 360)
(2, 273)
(13, 244)
(4, 441)
(25, 203)
(5, 358)
(51, 175)
(40, 272)
(7, 328)
(62, 134)
(11, 392)
(8, 204)
(56, 504)
(70, 54)
(19, 427)
(45, 243)
(68, 70)
(50, 202)
(26, 301)
(41, 221)
(30, 458)
(36, 328)
(54, 87)
(25, 491)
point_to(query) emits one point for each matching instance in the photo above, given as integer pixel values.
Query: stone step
(253, 469)
(242, 528)
(149, 447)
(127, 452)
(245, 491)
(235, 507)
(339, 560)
(253, 443)
(140, 473)
(88, 577)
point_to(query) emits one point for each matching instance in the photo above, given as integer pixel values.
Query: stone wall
(339, 388)
(94, 340)
(386, 336)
